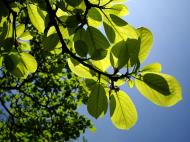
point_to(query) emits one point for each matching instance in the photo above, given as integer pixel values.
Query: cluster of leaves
(43, 106)
(73, 27)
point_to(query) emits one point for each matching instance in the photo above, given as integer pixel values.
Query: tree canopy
(97, 44)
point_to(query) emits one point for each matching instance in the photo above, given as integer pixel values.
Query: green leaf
(99, 54)
(94, 17)
(93, 129)
(95, 40)
(109, 32)
(122, 111)
(20, 30)
(73, 3)
(131, 83)
(98, 102)
(81, 48)
(117, 29)
(118, 9)
(37, 17)
(69, 21)
(20, 64)
(103, 64)
(79, 69)
(6, 34)
(29, 62)
(146, 39)
(119, 55)
(51, 42)
(133, 46)
(99, 2)
(155, 67)
(24, 46)
(26, 36)
(118, 21)
(161, 89)
(1, 61)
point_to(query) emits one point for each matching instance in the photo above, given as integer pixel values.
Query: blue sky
(169, 22)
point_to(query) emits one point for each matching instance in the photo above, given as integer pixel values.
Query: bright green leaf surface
(20, 30)
(24, 46)
(159, 88)
(146, 38)
(131, 83)
(26, 36)
(37, 17)
(79, 69)
(94, 17)
(122, 111)
(154, 67)
(20, 64)
(29, 62)
(117, 29)
(118, 9)
(1, 61)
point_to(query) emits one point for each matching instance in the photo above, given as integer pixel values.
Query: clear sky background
(169, 20)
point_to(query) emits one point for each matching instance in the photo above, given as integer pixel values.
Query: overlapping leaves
(120, 46)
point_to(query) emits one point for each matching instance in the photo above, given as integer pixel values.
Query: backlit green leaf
(24, 46)
(96, 41)
(26, 36)
(103, 64)
(1, 61)
(20, 30)
(20, 64)
(37, 17)
(122, 111)
(119, 55)
(81, 48)
(98, 102)
(109, 32)
(131, 83)
(118, 9)
(155, 67)
(146, 39)
(51, 42)
(79, 69)
(159, 88)
(29, 62)
(94, 17)
(117, 29)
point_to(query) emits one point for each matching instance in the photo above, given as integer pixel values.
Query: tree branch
(52, 17)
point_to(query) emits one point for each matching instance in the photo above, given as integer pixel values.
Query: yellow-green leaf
(154, 67)
(37, 17)
(29, 62)
(118, 9)
(26, 36)
(159, 88)
(146, 39)
(20, 64)
(20, 30)
(94, 17)
(79, 69)
(122, 111)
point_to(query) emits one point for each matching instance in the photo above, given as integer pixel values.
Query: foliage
(72, 27)
(43, 106)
